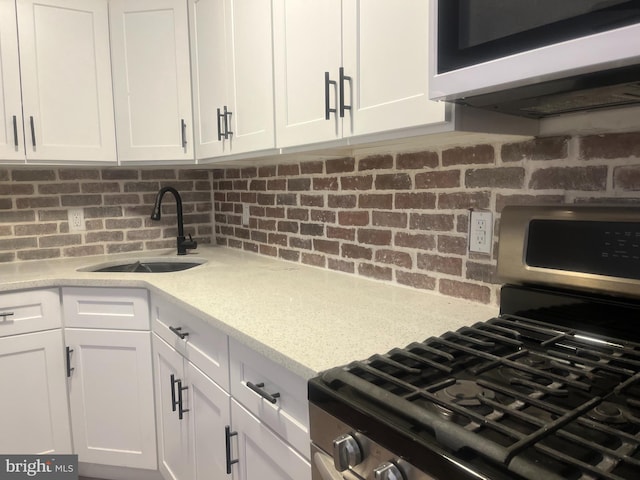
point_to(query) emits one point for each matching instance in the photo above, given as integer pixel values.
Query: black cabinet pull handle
(343, 77)
(174, 402)
(183, 132)
(178, 332)
(33, 131)
(227, 440)
(69, 369)
(180, 390)
(269, 397)
(4, 315)
(15, 130)
(327, 87)
(220, 133)
(227, 114)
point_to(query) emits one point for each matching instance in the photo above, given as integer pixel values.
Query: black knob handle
(220, 132)
(181, 410)
(227, 114)
(15, 130)
(174, 402)
(258, 388)
(33, 131)
(183, 132)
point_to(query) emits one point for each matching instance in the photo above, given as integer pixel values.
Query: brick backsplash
(117, 205)
(403, 217)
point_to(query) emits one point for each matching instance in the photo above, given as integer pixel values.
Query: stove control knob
(388, 471)
(346, 452)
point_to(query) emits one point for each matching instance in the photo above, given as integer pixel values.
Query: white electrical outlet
(245, 214)
(76, 220)
(480, 232)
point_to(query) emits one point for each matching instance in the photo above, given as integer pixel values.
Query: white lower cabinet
(261, 454)
(192, 412)
(111, 396)
(110, 379)
(34, 412)
(34, 416)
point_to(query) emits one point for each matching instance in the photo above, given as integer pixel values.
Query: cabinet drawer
(29, 311)
(110, 308)
(201, 343)
(254, 378)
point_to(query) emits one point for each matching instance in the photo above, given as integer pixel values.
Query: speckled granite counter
(304, 318)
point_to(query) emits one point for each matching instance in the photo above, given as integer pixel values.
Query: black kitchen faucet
(182, 243)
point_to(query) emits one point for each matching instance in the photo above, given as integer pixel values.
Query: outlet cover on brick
(480, 231)
(76, 220)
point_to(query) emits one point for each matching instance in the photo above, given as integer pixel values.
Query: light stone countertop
(304, 318)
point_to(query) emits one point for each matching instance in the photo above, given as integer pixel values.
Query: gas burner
(608, 412)
(541, 365)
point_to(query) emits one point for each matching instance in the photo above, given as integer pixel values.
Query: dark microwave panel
(472, 32)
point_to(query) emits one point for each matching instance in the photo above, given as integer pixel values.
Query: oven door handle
(323, 464)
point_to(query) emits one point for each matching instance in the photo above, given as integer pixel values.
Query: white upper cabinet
(151, 80)
(232, 67)
(386, 54)
(307, 49)
(350, 67)
(65, 72)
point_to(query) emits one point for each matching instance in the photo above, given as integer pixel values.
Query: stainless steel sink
(146, 266)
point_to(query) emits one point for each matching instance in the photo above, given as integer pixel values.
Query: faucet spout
(182, 243)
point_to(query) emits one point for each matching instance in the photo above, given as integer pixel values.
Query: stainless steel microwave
(536, 58)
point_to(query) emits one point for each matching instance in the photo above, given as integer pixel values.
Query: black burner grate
(543, 401)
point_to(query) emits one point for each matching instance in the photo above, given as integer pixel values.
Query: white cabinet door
(261, 454)
(111, 395)
(34, 414)
(232, 61)
(386, 55)
(173, 433)
(11, 139)
(209, 413)
(151, 81)
(66, 80)
(307, 45)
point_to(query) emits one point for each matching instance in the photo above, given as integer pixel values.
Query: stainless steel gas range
(549, 389)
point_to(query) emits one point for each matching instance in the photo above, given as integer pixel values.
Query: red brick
(311, 200)
(626, 178)
(438, 263)
(286, 199)
(290, 255)
(374, 237)
(266, 199)
(304, 243)
(353, 218)
(277, 184)
(416, 280)
(315, 166)
(250, 247)
(297, 214)
(375, 162)
(544, 148)
(30, 175)
(570, 178)
(451, 244)
(505, 177)
(277, 239)
(417, 160)
(257, 185)
(288, 227)
(340, 165)
(360, 182)
(314, 229)
(426, 221)
(382, 201)
(468, 155)
(274, 212)
(313, 259)
(356, 252)
(249, 172)
(400, 259)
(268, 250)
(288, 169)
(340, 265)
(268, 171)
(341, 233)
(482, 272)
(324, 216)
(612, 145)
(298, 184)
(393, 181)
(342, 201)
(469, 291)
(389, 219)
(464, 200)
(375, 271)
(326, 246)
(421, 200)
(326, 183)
(418, 240)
